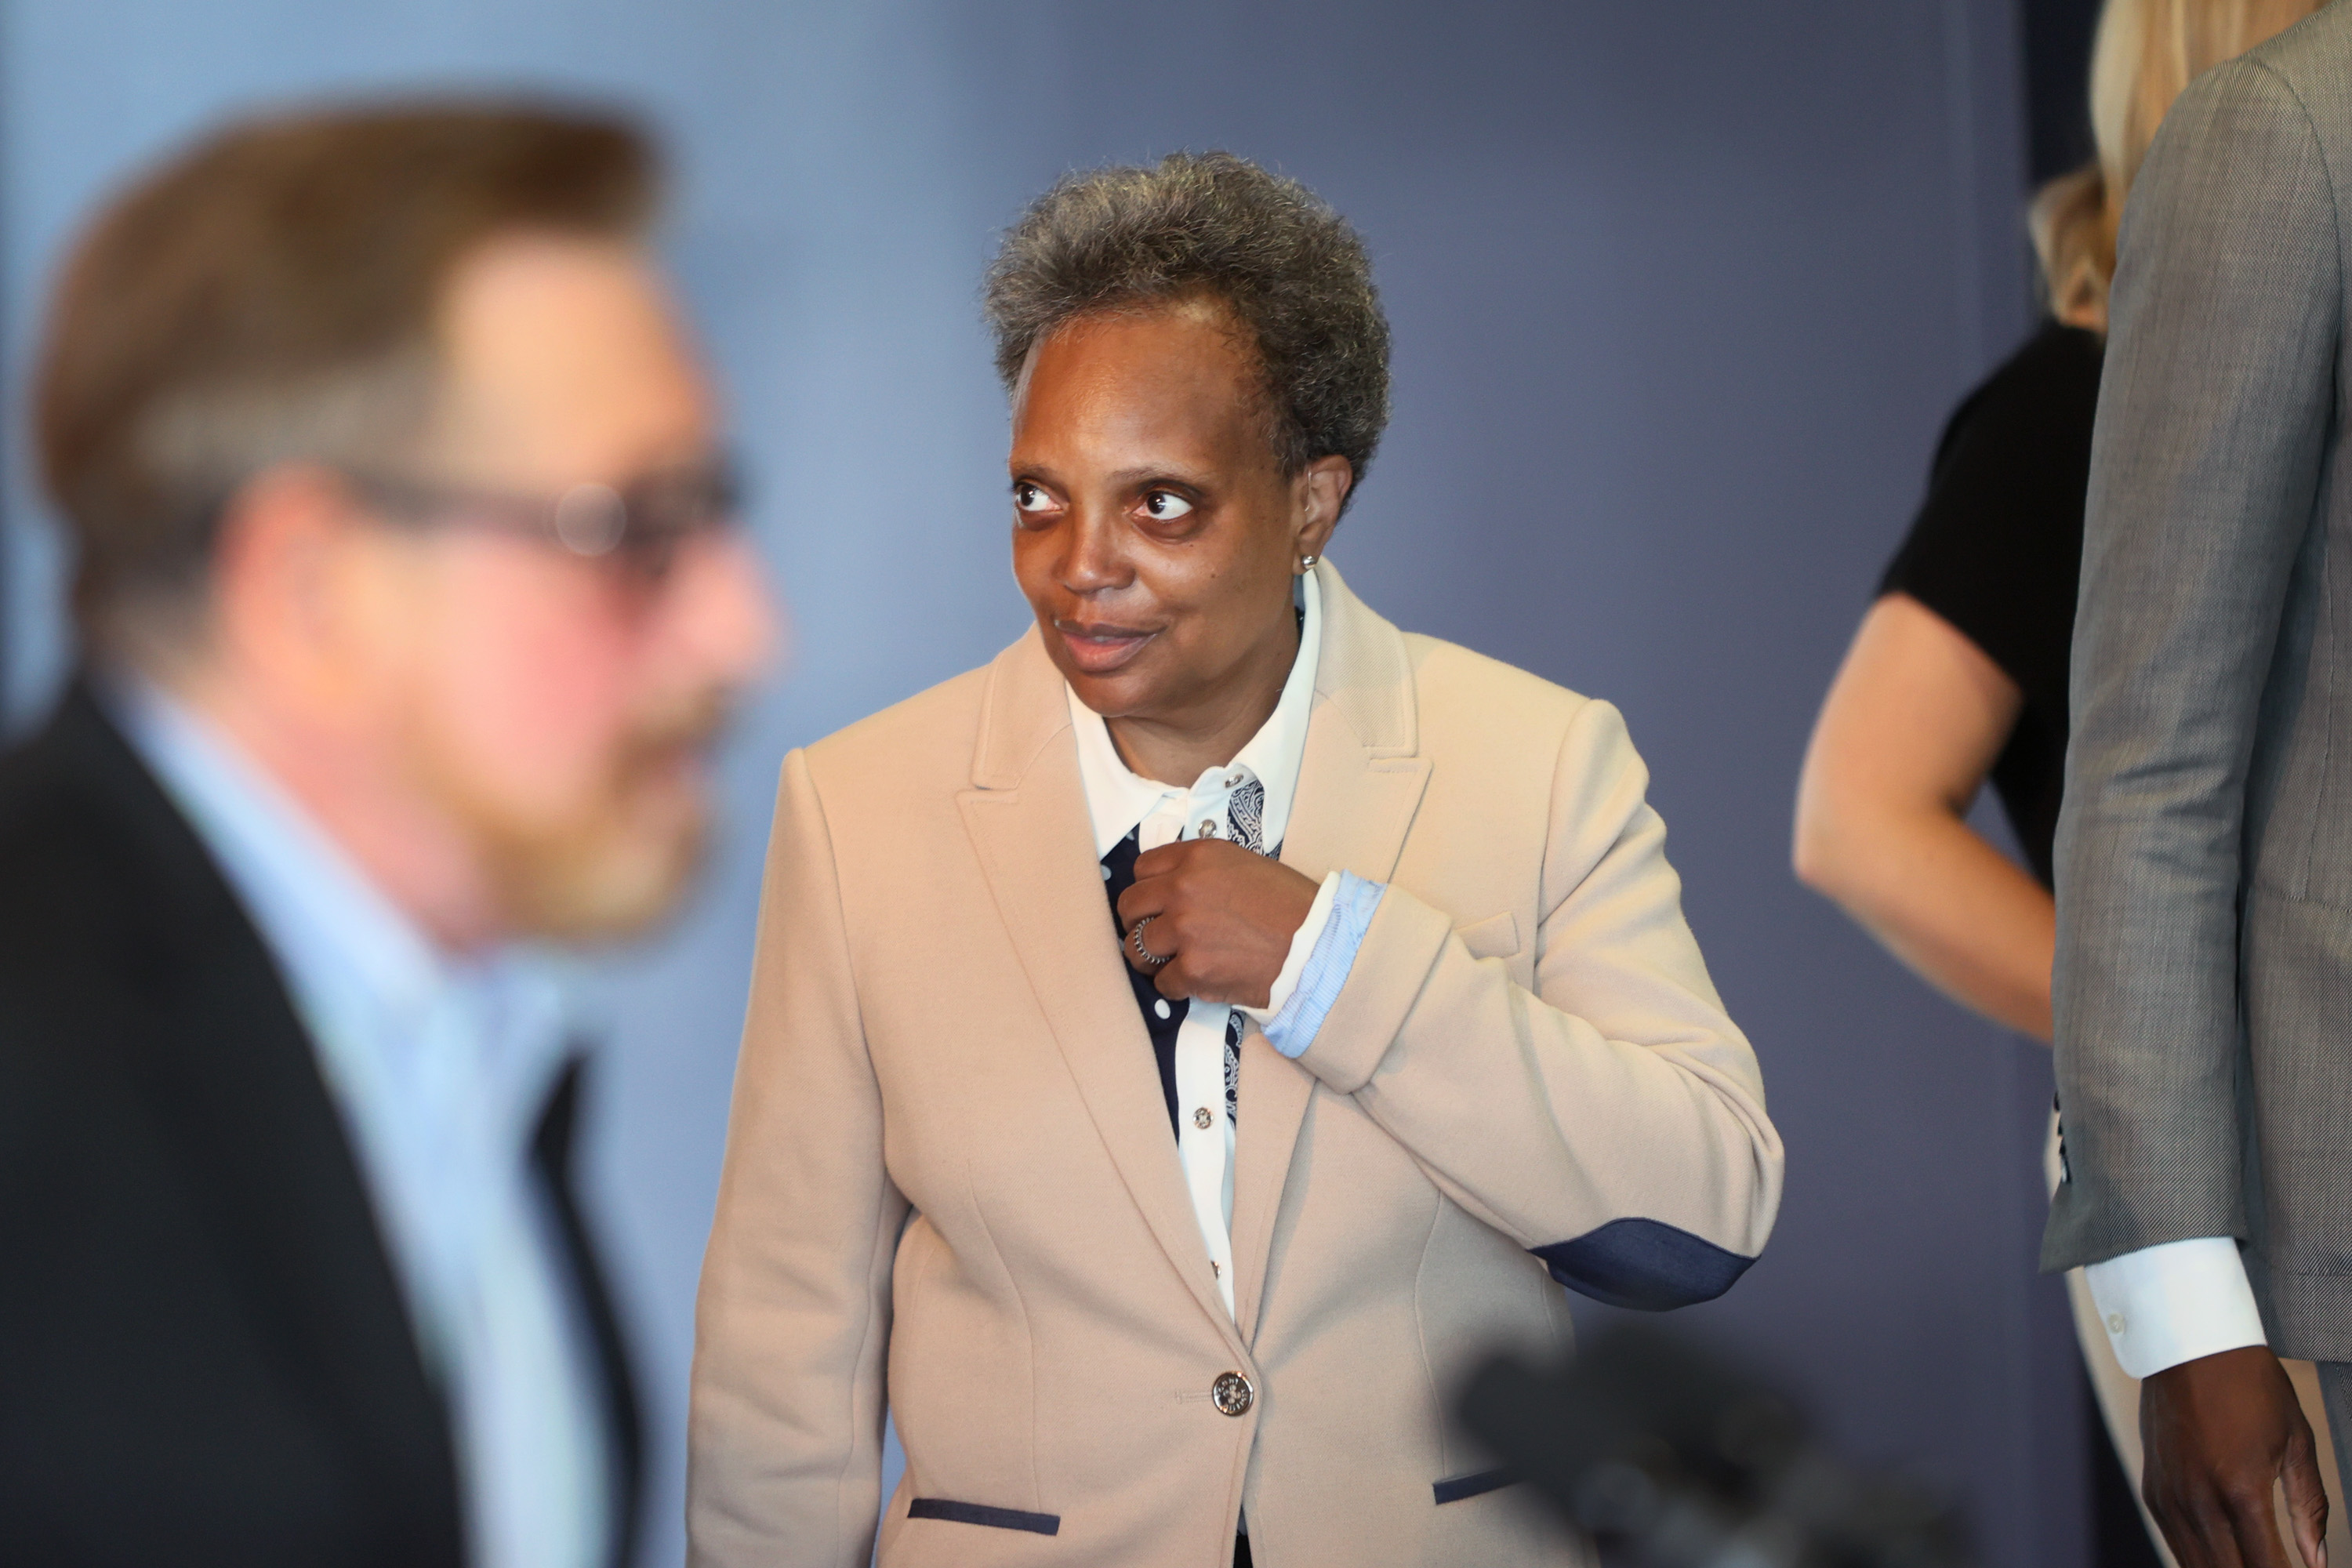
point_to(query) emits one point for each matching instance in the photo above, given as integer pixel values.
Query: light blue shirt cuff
(1294, 1028)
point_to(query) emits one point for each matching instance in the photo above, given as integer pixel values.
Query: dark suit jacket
(205, 1355)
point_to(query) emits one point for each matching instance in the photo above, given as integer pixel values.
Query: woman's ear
(1323, 487)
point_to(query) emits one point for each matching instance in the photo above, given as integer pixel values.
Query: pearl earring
(1307, 562)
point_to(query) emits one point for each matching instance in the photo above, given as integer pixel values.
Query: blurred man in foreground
(408, 613)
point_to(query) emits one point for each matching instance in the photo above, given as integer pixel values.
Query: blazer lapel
(1027, 818)
(1358, 788)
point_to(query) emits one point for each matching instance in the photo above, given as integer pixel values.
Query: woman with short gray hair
(1180, 1048)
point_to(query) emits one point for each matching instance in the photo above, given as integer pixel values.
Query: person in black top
(1959, 673)
(1997, 550)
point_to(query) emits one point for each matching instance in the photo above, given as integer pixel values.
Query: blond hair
(2146, 52)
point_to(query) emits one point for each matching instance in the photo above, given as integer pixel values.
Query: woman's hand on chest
(1221, 917)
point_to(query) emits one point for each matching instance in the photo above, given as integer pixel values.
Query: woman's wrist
(1329, 939)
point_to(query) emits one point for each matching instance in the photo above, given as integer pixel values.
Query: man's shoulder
(65, 857)
(81, 902)
(2317, 49)
(2308, 66)
(106, 892)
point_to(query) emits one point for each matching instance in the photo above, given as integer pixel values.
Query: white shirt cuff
(1302, 947)
(2174, 1303)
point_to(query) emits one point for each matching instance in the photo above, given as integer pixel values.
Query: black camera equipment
(1672, 1458)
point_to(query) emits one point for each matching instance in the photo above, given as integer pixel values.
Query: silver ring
(1135, 939)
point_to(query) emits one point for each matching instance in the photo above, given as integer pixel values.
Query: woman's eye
(1164, 506)
(1031, 498)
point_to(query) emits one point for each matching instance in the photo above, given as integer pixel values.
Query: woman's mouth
(1099, 648)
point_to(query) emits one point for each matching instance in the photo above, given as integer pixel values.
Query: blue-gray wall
(1682, 292)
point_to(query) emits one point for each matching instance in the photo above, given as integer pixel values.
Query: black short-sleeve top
(1997, 551)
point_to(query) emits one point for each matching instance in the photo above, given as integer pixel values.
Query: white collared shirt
(2175, 1301)
(439, 1067)
(1120, 802)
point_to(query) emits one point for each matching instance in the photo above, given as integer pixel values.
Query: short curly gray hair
(1211, 223)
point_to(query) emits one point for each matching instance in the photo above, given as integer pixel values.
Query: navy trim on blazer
(979, 1513)
(1479, 1485)
(1643, 1264)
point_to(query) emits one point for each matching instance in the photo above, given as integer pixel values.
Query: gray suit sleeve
(2213, 417)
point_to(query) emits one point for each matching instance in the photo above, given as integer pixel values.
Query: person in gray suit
(2203, 982)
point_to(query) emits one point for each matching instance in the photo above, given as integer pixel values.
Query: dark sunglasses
(639, 527)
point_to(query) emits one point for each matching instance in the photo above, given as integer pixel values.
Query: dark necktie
(1245, 825)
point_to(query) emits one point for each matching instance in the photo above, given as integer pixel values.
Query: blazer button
(1233, 1394)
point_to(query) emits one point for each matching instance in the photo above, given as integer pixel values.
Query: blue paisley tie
(1245, 825)
(1245, 817)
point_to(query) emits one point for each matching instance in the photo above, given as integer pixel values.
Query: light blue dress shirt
(1332, 957)
(440, 1067)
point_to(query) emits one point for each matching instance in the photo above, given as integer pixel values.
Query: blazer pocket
(1496, 936)
(981, 1513)
(1460, 1488)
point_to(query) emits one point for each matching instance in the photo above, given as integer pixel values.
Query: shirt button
(1208, 829)
(2114, 1322)
(1235, 781)
(1200, 1118)
(1105, 871)
(1233, 1394)
(1160, 1007)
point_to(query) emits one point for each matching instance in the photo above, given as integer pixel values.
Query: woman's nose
(1091, 559)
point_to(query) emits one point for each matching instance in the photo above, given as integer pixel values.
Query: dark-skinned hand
(1221, 916)
(2219, 1431)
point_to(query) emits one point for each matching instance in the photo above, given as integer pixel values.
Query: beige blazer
(951, 1185)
